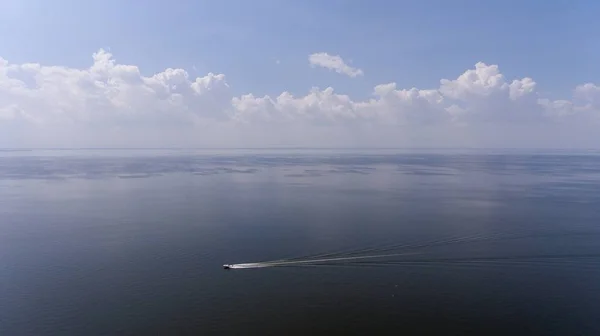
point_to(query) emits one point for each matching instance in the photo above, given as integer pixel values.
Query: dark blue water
(131, 242)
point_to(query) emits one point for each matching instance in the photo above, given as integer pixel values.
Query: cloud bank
(333, 62)
(112, 104)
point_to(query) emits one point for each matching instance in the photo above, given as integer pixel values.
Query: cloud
(335, 63)
(588, 94)
(108, 93)
(112, 104)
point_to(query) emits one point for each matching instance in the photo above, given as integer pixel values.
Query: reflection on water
(133, 241)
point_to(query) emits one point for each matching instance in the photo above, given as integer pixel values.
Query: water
(131, 242)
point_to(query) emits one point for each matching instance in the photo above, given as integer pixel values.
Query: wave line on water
(312, 261)
(355, 257)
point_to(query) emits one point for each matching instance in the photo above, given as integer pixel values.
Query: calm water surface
(131, 242)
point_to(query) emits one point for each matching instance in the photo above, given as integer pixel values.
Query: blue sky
(262, 48)
(414, 43)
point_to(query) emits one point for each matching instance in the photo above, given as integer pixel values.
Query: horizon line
(291, 147)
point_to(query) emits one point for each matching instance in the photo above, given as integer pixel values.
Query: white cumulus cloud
(333, 62)
(112, 104)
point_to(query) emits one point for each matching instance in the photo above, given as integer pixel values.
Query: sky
(264, 73)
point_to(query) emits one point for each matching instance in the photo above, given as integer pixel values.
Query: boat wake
(380, 256)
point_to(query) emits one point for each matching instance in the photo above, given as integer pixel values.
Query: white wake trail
(249, 265)
(312, 261)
